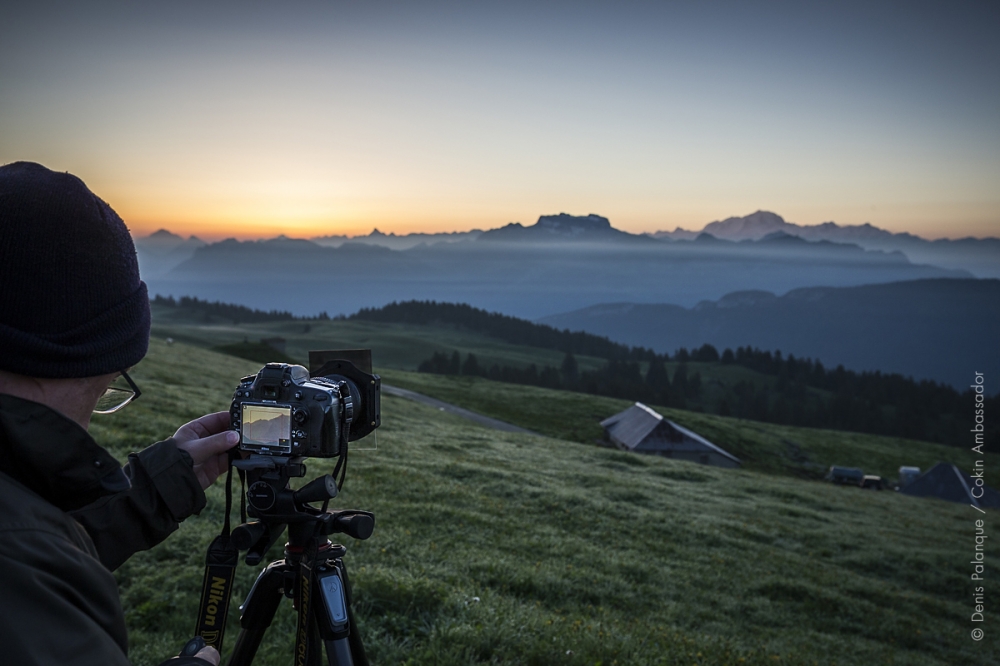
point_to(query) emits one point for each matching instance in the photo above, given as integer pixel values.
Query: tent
(945, 481)
(643, 430)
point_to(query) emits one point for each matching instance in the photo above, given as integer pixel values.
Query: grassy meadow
(764, 447)
(395, 345)
(495, 548)
(724, 388)
(405, 346)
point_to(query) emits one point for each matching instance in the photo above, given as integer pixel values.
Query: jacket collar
(53, 456)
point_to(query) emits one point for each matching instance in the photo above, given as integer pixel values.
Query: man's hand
(197, 649)
(210, 654)
(206, 440)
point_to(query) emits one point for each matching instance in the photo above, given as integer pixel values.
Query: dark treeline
(859, 402)
(802, 392)
(503, 327)
(872, 402)
(238, 314)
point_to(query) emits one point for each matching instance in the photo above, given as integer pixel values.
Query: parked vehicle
(845, 476)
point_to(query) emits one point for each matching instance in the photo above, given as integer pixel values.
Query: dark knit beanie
(71, 301)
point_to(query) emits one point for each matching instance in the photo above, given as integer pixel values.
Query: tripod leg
(357, 647)
(338, 653)
(258, 611)
(336, 619)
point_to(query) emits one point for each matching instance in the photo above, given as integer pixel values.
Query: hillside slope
(762, 447)
(942, 329)
(443, 337)
(502, 548)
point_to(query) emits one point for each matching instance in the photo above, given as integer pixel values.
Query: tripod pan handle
(246, 535)
(353, 523)
(317, 490)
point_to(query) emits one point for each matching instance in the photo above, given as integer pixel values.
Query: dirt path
(496, 424)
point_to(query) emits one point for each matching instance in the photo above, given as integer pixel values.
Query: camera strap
(340, 469)
(220, 569)
(304, 601)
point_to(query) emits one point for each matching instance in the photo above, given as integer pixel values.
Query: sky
(250, 119)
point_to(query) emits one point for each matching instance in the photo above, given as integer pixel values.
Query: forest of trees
(789, 390)
(844, 400)
(803, 392)
(873, 402)
(237, 314)
(502, 327)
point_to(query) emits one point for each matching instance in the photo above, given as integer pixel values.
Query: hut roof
(947, 482)
(632, 426)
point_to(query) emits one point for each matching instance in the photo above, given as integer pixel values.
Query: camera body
(283, 411)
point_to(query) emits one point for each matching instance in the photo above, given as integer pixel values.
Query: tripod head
(276, 506)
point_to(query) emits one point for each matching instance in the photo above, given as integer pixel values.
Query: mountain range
(394, 242)
(162, 251)
(980, 256)
(561, 263)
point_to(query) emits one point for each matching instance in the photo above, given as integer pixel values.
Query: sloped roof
(636, 423)
(945, 481)
(703, 441)
(632, 425)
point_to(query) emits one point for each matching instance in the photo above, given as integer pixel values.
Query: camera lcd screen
(267, 428)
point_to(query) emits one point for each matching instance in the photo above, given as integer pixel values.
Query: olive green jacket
(69, 516)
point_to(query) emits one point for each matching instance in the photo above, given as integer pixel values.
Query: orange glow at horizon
(254, 120)
(216, 230)
(254, 230)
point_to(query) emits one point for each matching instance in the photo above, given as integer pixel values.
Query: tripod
(312, 572)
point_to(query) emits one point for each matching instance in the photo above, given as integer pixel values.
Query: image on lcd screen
(267, 426)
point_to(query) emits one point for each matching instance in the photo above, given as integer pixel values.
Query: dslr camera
(284, 410)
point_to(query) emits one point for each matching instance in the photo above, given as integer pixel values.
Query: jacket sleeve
(60, 606)
(164, 491)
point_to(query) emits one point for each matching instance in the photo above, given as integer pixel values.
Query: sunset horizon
(264, 231)
(251, 121)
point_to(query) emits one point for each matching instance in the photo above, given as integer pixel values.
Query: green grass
(255, 351)
(405, 346)
(401, 346)
(500, 548)
(763, 447)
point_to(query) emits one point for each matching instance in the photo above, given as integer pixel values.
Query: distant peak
(163, 234)
(563, 228)
(567, 222)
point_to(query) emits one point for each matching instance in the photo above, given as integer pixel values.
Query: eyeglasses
(116, 397)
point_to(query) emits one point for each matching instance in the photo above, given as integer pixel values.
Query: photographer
(74, 317)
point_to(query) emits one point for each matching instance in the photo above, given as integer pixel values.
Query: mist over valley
(561, 263)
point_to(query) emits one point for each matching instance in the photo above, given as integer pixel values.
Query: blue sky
(308, 118)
